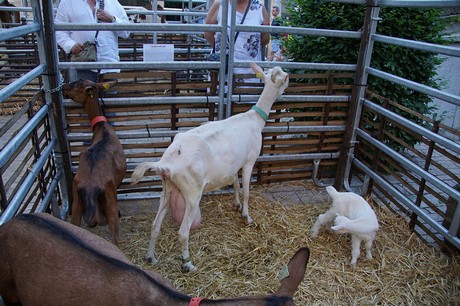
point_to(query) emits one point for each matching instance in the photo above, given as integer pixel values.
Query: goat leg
(246, 175)
(77, 209)
(368, 248)
(327, 217)
(236, 188)
(355, 245)
(156, 226)
(191, 210)
(112, 214)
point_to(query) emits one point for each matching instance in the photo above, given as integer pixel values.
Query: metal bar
(410, 165)
(358, 92)
(139, 27)
(307, 156)
(142, 65)
(420, 3)
(418, 45)
(230, 60)
(184, 65)
(47, 47)
(25, 79)
(167, 13)
(407, 202)
(451, 145)
(51, 191)
(299, 31)
(22, 135)
(209, 99)
(426, 167)
(406, 3)
(10, 33)
(297, 65)
(16, 201)
(451, 98)
(168, 133)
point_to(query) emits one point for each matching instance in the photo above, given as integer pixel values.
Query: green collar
(260, 112)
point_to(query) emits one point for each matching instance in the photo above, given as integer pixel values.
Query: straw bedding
(235, 259)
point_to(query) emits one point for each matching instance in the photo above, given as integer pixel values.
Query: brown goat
(62, 264)
(102, 166)
(8, 18)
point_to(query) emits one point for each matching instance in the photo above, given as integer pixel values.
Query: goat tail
(140, 170)
(333, 193)
(344, 225)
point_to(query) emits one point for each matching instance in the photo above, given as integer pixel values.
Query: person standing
(248, 45)
(275, 37)
(91, 11)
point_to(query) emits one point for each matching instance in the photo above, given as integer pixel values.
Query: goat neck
(94, 110)
(276, 81)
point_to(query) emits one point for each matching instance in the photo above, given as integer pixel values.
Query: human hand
(77, 48)
(103, 16)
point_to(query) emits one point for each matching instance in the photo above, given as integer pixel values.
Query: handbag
(88, 54)
(215, 57)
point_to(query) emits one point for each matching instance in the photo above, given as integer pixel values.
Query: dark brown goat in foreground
(102, 166)
(46, 261)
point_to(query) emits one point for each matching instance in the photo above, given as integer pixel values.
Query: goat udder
(177, 205)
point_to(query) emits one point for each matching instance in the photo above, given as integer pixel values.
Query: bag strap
(99, 4)
(244, 17)
(242, 21)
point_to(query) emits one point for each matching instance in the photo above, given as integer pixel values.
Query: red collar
(96, 120)
(195, 301)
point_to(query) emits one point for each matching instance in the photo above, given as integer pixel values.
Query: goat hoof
(188, 266)
(238, 207)
(151, 260)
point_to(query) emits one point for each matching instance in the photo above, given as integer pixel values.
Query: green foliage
(408, 23)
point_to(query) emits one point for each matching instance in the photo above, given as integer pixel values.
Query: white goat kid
(209, 157)
(351, 214)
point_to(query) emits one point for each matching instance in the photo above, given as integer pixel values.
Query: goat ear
(257, 70)
(296, 269)
(105, 85)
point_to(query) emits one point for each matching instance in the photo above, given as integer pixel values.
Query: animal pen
(334, 143)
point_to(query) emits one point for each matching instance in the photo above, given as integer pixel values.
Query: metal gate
(38, 162)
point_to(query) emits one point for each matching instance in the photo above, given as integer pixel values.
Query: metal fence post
(358, 92)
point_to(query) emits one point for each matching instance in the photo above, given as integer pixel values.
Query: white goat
(209, 157)
(351, 214)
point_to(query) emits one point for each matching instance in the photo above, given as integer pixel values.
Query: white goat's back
(354, 214)
(209, 151)
(347, 204)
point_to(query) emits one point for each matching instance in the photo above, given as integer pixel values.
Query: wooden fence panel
(146, 130)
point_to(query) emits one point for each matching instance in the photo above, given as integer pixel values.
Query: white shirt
(79, 11)
(248, 44)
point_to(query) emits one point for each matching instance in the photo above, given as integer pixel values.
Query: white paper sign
(158, 52)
